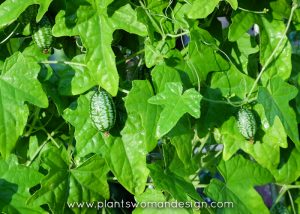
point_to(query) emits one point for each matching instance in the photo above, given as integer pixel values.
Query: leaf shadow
(213, 114)
(71, 16)
(7, 190)
(285, 154)
(114, 6)
(260, 132)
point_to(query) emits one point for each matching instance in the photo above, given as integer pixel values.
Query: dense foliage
(178, 73)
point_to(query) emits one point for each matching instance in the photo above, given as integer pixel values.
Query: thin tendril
(11, 34)
(265, 10)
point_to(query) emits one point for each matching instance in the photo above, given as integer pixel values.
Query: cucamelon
(246, 123)
(102, 110)
(42, 34)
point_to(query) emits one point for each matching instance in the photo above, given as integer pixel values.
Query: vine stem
(228, 102)
(269, 60)
(265, 10)
(292, 202)
(131, 56)
(64, 62)
(51, 138)
(37, 152)
(84, 65)
(178, 35)
(10, 35)
(288, 186)
(123, 90)
(155, 25)
(35, 119)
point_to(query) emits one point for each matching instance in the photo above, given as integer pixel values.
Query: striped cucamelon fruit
(42, 34)
(102, 110)
(246, 123)
(29, 14)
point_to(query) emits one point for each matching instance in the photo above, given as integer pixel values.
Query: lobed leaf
(100, 58)
(240, 177)
(18, 84)
(175, 105)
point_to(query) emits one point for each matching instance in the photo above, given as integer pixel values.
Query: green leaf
(213, 114)
(232, 82)
(240, 176)
(290, 171)
(281, 9)
(157, 51)
(267, 142)
(246, 46)
(100, 58)
(275, 100)
(180, 12)
(11, 9)
(203, 57)
(152, 14)
(139, 128)
(181, 137)
(175, 105)
(73, 79)
(86, 182)
(266, 150)
(233, 4)
(201, 8)
(127, 161)
(231, 138)
(18, 84)
(88, 138)
(241, 23)
(173, 157)
(153, 195)
(162, 74)
(177, 186)
(271, 33)
(15, 182)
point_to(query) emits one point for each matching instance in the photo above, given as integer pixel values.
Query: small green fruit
(246, 123)
(42, 34)
(102, 110)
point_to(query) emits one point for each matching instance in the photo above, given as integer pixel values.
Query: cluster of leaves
(178, 76)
